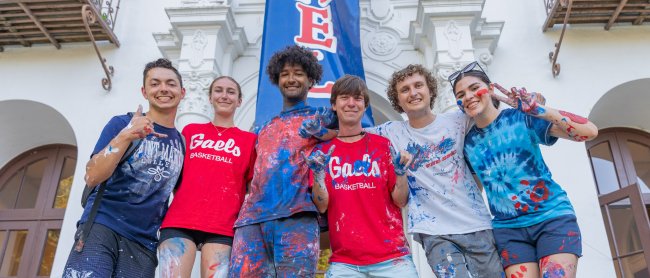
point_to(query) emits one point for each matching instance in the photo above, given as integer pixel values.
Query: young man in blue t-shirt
(123, 237)
(535, 227)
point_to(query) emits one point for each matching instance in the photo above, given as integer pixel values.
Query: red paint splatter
(561, 246)
(523, 268)
(524, 182)
(572, 233)
(514, 198)
(574, 118)
(517, 205)
(481, 92)
(540, 192)
(536, 207)
(505, 255)
(525, 208)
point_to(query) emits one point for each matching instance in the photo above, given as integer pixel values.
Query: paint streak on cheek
(481, 92)
(460, 105)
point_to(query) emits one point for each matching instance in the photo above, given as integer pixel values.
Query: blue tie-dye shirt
(280, 185)
(507, 159)
(136, 195)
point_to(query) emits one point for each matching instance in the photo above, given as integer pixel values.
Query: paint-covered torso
(365, 225)
(280, 185)
(443, 197)
(215, 173)
(507, 159)
(137, 192)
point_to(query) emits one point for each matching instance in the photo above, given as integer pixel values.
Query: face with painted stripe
(473, 95)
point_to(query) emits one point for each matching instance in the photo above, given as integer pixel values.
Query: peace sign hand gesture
(521, 99)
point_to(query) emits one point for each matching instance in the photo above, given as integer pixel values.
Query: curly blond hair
(402, 74)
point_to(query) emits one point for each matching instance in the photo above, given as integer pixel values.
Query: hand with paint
(401, 161)
(317, 162)
(316, 126)
(140, 126)
(520, 99)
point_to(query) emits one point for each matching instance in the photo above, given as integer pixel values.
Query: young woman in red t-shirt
(217, 167)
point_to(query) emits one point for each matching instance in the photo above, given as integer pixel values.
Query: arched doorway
(620, 161)
(34, 191)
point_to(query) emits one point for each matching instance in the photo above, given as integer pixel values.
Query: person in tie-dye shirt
(277, 233)
(535, 227)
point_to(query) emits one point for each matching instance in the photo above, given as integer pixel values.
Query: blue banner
(329, 28)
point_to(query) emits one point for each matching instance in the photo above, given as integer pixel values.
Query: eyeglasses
(471, 66)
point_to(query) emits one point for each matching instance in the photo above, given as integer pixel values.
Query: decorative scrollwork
(90, 18)
(555, 67)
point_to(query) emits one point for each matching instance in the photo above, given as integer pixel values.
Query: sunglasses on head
(471, 66)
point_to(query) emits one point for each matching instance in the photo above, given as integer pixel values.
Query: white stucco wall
(593, 62)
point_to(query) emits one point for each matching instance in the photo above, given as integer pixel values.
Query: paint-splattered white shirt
(443, 197)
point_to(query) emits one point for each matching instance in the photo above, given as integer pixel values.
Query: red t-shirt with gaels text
(365, 225)
(216, 170)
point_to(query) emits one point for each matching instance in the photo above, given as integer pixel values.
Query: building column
(450, 35)
(203, 43)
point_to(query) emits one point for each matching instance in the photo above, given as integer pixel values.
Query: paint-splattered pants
(461, 256)
(108, 254)
(286, 247)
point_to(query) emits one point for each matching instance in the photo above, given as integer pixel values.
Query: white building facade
(53, 107)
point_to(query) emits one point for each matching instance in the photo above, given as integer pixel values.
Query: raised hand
(521, 99)
(401, 160)
(141, 126)
(318, 160)
(316, 126)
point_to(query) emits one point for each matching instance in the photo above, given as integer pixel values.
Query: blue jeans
(285, 247)
(402, 267)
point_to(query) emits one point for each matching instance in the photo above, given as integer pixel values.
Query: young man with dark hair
(360, 180)
(123, 236)
(446, 212)
(277, 233)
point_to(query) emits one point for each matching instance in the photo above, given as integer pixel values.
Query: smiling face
(162, 89)
(293, 83)
(225, 96)
(413, 94)
(349, 109)
(472, 95)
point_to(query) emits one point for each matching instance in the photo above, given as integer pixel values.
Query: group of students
(254, 203)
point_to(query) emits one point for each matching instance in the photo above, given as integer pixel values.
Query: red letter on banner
(316, 30)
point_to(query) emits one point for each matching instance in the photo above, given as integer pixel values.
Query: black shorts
(198, 237)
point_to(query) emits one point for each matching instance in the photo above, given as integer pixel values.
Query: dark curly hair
(294, 55)
(402, 74)
(160, 63)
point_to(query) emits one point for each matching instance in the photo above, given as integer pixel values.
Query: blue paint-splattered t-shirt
(443, 197)
(136, 195)
(507, 159)
(280, 185)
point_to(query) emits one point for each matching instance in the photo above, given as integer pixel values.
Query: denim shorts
(530, 244)
(402, 267)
